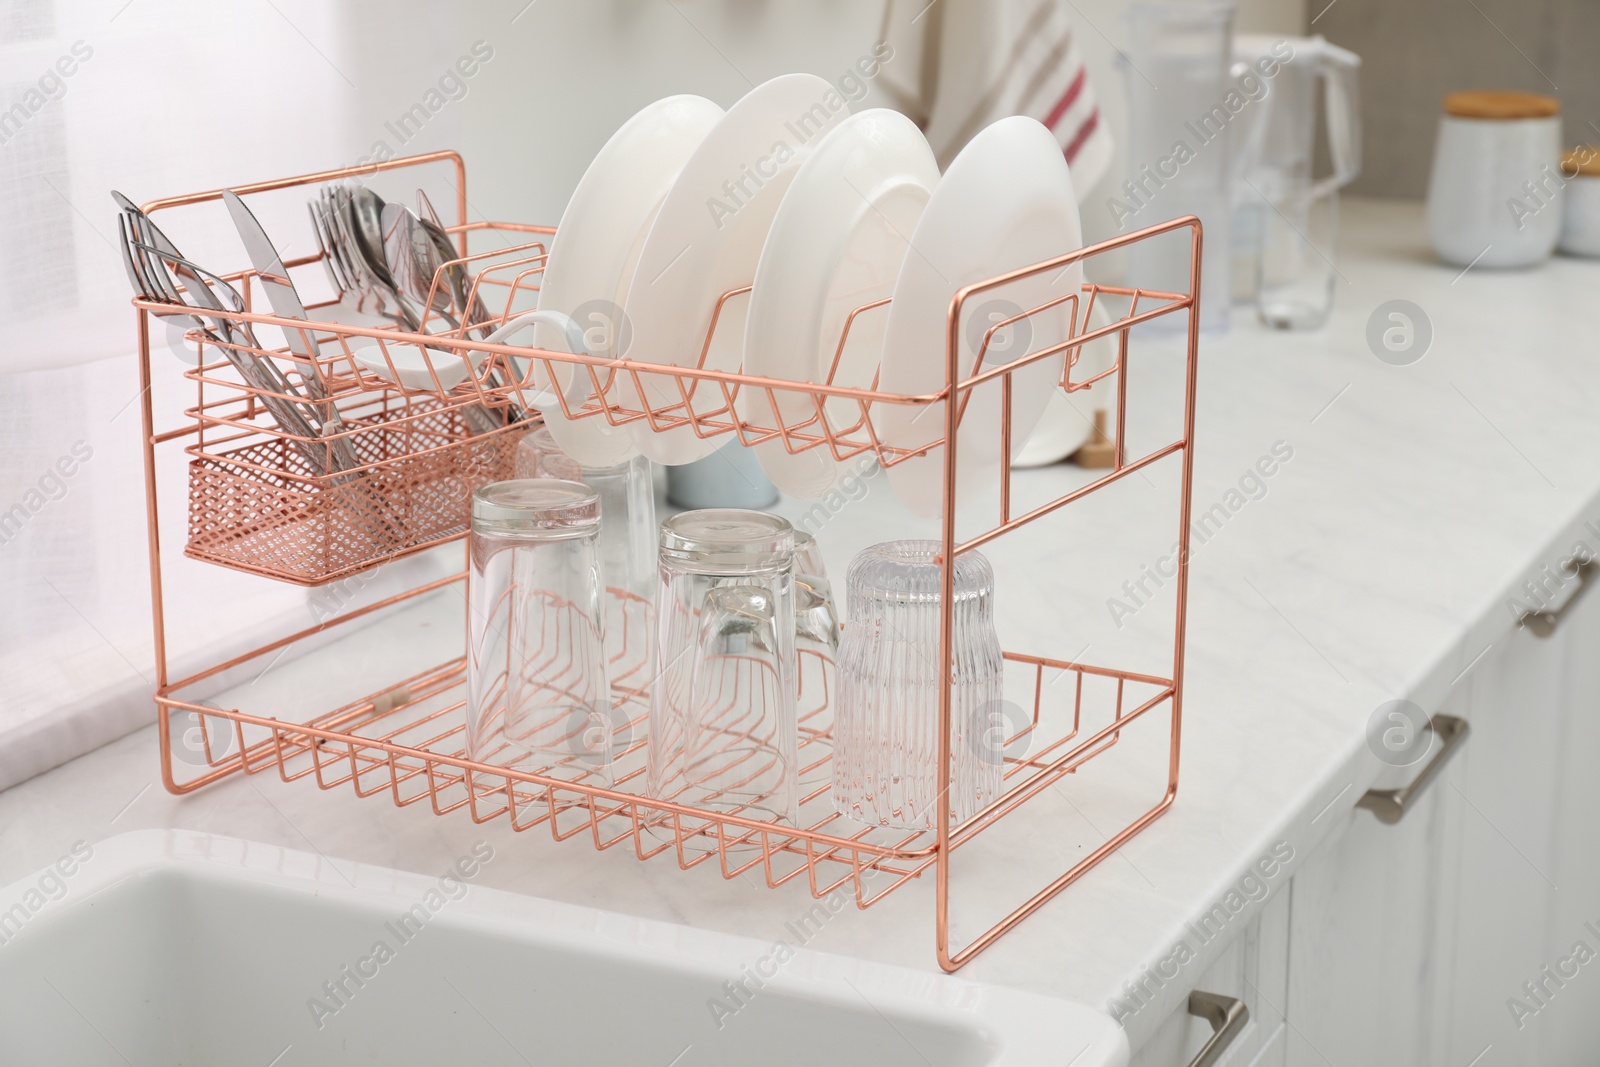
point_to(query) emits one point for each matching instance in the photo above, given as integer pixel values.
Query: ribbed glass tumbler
(885, 732)
(537, 695)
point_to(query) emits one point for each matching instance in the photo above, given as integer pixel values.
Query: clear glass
(538, 456)
(1181, 149)
(808, 556)
(722, 712)
(1316, 93)
(1296, 271)
(816, 646)
(628, 534)
(537, 692)
(886, 736)
(627, 554)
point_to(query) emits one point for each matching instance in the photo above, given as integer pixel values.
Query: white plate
(596, 246)
(707, 239)
(836, 243)
(1068, 420)
(411, 364)
(1005, 202)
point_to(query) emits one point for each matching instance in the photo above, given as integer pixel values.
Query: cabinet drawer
(1254, 969)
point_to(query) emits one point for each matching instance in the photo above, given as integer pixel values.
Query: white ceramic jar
(1580, 228)
(1495, 195)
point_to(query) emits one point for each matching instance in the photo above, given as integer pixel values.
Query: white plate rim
(747, 136)
(813, 219)
(1011, 167)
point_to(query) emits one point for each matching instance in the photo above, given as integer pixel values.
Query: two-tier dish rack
(256, 504)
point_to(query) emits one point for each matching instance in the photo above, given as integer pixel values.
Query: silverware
(369, 278)
(444, 252)
(152, 259)
(320, 443)
(281, 293)
(383, 259)
(437, 256)
(296, 417)
(402, 254)
(145, 286)
(340, 275)
(366, 219)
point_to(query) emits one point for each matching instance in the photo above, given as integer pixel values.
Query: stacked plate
(819, 212)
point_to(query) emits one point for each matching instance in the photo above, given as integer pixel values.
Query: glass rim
(548, 505)
(728, 537)
(906, 570)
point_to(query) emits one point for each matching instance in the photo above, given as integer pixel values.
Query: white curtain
(153, 98)
(172, 96)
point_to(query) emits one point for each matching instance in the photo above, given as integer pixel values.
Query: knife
(280, 290)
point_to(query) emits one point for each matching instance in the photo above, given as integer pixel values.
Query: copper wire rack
(256, 506)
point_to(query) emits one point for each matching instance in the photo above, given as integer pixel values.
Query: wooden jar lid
(1584, 160)
(1500, 104)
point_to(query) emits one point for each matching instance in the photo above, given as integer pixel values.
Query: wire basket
(261, 507)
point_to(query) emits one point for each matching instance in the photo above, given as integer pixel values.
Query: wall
(567, 74)
(1415, 51)
(542, 108)
(1100, 33)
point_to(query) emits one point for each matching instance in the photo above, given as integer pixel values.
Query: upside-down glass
(816, 646)
(886, 737)
(628, 537)
(537, 696)
(538, 456)
(722, 711)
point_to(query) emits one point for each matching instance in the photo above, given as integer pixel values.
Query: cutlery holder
(260, 508)
(396, 726)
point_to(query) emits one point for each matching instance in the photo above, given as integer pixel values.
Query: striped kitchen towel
(982, 60)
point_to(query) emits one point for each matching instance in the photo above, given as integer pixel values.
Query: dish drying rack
(257, 506)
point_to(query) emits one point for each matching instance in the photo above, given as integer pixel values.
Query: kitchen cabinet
(1569, 1028)
(1254, 969)
(1452, 937)
(1363, 938)
(1466, 933)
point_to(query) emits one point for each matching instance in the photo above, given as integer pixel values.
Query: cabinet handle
(1544, 623)
(1227, 1016)
(1391, 805)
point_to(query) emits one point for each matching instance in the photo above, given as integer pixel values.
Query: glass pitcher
(1286, 221)
(1192, 131)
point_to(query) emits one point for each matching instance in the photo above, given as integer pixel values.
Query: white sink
(170, 947)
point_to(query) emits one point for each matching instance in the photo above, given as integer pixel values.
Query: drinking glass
(537, 696)
(627, 555)
(628, 535)
(886, 737)
(1296, 272)
(816, 645)
(538, 456)
(722, 712)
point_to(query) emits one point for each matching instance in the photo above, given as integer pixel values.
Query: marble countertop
(1405, 506)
